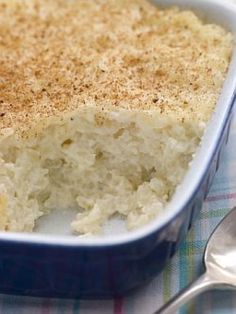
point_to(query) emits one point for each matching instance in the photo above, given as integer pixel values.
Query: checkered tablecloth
(184, 267)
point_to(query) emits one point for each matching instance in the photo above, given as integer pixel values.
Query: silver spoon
(220, 264)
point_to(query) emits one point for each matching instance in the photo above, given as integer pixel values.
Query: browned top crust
(57, 56)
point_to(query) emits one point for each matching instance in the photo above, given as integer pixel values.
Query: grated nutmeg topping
(58, 56)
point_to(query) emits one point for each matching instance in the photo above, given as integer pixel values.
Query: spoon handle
(202, 284)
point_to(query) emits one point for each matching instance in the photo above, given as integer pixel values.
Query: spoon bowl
(220, 265)
(220, 253)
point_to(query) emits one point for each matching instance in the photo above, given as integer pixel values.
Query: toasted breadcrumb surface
(57, 56)
(103, 104)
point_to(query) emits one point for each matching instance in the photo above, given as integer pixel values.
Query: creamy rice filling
(125, 166)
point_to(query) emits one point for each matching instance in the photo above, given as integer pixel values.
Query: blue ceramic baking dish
(68, 267)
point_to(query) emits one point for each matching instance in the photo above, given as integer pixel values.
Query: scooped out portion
(101, 117)
(125, 162)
